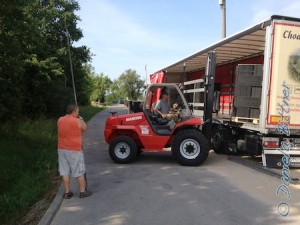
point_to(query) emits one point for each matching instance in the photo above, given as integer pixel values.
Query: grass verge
(28, 159)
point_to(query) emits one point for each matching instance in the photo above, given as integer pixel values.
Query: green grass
(87, 112)
(28, 159)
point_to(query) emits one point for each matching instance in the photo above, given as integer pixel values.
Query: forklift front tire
(190, 148)
(123, 150)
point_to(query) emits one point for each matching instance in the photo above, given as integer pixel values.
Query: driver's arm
(160, 113)
(158, 108)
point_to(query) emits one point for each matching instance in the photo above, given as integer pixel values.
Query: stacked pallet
(248, 88)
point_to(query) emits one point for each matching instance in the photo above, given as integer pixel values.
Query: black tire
(221, 141)
(190, 148)
(217, 141)
(123, 150)
(139, 152)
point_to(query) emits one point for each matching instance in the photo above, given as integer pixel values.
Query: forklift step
(245, 120)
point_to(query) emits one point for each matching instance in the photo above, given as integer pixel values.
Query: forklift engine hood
(128, 119)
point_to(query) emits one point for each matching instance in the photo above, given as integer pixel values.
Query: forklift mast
(209, 85)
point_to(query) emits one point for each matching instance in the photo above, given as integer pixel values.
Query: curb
(260, 168)
(51, 211)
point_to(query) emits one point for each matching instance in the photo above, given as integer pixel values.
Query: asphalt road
(155, 190)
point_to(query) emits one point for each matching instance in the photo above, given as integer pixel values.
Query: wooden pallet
(245, 120)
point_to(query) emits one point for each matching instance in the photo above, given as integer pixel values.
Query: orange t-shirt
(69, 133)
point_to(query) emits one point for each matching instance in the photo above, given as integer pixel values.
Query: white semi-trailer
(256, 99)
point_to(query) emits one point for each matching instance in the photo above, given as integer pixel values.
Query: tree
(35, 76)
(100, 85)
(113, 95)
(130, 85)
(11, 58)
(48, 63)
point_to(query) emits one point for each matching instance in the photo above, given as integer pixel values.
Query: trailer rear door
(284, 92)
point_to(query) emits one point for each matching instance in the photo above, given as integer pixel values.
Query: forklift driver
(162, 108)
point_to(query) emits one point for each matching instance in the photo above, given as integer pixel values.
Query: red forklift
(188, 138)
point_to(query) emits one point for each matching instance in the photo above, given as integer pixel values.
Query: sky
(149, 35)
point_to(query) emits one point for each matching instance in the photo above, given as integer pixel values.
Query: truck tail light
(270, 142)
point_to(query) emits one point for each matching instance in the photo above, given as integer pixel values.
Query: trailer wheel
(123, 150)
(217, 139)
(190, 148)
(217, 142)
(222, 141)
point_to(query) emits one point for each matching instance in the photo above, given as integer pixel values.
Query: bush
(27, 158)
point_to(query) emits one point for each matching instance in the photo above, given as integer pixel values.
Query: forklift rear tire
(123, 150)
(190, 148)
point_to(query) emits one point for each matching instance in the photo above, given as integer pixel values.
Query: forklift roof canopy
(245, 44)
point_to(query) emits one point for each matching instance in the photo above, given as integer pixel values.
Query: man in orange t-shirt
(70, 155)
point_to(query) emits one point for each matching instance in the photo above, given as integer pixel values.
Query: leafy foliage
(35, 73)
(100, 85)
(128, 85)
(27, 159)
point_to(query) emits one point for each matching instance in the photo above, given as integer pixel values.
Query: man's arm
(82, 124)
(158, 108)
(160, 113)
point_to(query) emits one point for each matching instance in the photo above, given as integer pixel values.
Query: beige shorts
(71, 163)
